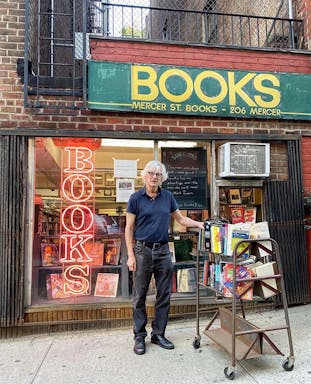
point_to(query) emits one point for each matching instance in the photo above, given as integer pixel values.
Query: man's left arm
(186, 221)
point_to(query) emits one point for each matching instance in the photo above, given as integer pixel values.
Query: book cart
(239, 337)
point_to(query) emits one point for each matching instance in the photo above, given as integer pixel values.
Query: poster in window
(124, 189)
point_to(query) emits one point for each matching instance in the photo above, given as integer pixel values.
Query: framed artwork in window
(109, 179)
(99, 180)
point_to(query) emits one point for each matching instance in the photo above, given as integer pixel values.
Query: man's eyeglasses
(152, 174)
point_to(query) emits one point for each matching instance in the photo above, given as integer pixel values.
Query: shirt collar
(144, 192)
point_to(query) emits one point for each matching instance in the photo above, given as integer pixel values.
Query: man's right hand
(131, 263)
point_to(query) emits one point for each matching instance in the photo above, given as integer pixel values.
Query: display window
(81, 190)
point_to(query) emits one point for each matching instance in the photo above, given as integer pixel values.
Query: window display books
(237, 215)
(235, 196)
(112, 252)
(106, 284)
(49, 254)
(250, 215)
(95, 251)
(55, 286)
(171, 246)
(186, 280)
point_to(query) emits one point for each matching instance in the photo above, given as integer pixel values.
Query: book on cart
(244, 290)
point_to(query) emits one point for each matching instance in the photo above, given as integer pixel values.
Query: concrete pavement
(102, 356)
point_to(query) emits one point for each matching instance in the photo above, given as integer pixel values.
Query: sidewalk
(107, 356)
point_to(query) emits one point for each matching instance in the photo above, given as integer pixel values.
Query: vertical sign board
(187, 176)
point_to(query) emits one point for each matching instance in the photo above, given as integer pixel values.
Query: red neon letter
(79, 160)
(75, 279)
(74, 250)
(77, 188)
(77, 218)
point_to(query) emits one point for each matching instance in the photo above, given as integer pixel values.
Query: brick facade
(14, 116)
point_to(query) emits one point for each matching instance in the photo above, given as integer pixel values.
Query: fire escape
(54, 68)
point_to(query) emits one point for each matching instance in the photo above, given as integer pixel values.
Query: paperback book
(49, 254)
(186, 280)
(112, 252)
(106, 284)
(95, 251)
(55, 286)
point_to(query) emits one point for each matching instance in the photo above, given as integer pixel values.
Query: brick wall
(303, 11)
(11, 48)
(172, 54)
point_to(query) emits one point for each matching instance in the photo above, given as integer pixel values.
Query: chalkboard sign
(187, 176)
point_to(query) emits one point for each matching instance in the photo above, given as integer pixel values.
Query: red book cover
(95, 251)
(49, 254)
(237, 215)
(106, 284)
(112, 252)
(205, 272)
(250, 215)
(174, 282)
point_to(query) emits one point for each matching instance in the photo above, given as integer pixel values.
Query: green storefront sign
(198, 91)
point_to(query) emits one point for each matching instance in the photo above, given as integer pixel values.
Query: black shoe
(162, 342)
(139, 346)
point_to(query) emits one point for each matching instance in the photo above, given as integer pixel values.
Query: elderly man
(146, 234)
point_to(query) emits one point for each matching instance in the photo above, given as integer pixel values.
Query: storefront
(78, 188)
(66, 175)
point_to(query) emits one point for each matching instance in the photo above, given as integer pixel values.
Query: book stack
(244, 290)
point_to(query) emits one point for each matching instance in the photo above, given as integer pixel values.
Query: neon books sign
(77, 218)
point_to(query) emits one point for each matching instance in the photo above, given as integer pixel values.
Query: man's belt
(153, 246)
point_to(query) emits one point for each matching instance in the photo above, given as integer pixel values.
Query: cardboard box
(265, 269)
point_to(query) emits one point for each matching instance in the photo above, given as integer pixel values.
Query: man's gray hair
(157, 167)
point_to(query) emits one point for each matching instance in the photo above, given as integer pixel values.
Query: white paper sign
(125, 168)
(124, 189)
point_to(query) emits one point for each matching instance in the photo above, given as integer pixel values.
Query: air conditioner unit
(244, 160)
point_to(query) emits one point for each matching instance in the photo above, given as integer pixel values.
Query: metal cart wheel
(196, 342)
(287, 365)
(229, 373)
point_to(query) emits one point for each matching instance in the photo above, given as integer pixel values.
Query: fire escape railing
(54, 69)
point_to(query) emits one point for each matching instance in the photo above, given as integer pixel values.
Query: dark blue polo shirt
(152, 216)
